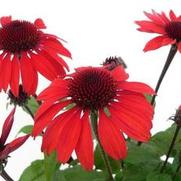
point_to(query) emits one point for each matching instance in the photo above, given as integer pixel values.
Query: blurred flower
(169, 29)
(120, 105)
(26, 50)
(6, 149)
(112, 62)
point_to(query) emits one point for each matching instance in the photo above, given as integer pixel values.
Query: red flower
(93, 88)
(169, 29)
(6, 149)
(26, 50)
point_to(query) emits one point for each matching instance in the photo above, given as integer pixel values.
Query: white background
(96, 29)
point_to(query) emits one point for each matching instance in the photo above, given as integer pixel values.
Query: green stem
(177, 171)
(29, 111)
(103, 154)
(170, 57)
(170, 148)
(5, 176)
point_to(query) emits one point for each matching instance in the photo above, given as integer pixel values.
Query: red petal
(57, 46)
(111, 138)
(46, 117)
(6, 71)
(119, 73)
(129, 125)
(7, 127)
(136, 87)
(158, 42)
(179, 47)
(69, 137)
(5, 20)
(54, 129)
(29, 75)
(156, 19)
(15, 144)
(149, 26)
(54, 93)
(84, 148)
(172, 16)
(39, 24)
(15, 75)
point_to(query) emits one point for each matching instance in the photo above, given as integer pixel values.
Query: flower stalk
(103, 154)
(5, 175)
(172, 52)
(170, 148)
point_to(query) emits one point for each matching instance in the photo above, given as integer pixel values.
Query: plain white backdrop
(94, 30)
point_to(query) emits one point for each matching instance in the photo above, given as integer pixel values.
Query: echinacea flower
(168, 28)
(93, 89)
(7, 148)
(27, 50)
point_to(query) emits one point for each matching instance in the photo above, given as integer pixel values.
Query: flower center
(92, 88)
(19, 36)
(173, 30)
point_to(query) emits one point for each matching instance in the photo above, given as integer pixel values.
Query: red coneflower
(93, 89)
(169, 29)
(27, 50)
(6, 149)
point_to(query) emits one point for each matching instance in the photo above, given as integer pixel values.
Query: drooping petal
(6, 71)
(15, 76)
(5, 20)
(29, 75)
(84, 148)
(151, 27)
(111, 138)
(7, 127)
(158, 42)
(39, 24)
(12, 146)
(42, 121)
(119, 73)
(136, 87)
(179, 47)
(69, 138)
(54, 129)
(172, 16)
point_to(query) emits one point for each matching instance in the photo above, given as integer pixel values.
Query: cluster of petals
(27, 50)
(7, 148)
(67, 119)
(168, 28)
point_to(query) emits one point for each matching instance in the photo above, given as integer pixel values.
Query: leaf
(51, 165)
(99, 162)
(158, 177)
(35, 172)
(26, 129)
(76, 173)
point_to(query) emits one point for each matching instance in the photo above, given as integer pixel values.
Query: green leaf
(51, 165)
(78, 174)
(158, 177)
(99, 162)
(35, 172)
(26, 129)
(32, 104)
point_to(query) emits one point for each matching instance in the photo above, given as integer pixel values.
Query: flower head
(7, 148)
(93, 89)
(169, 29)
(26, 50)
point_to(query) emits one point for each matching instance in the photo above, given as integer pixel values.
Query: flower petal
(5, 20)
(119, 73)
(69, 138)
(29, 75)
(136, 87)
(172, 16)
(7, 127)
(15, 76)
(158, 42)
(39, 23)
(84, 148)
(111, 138)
